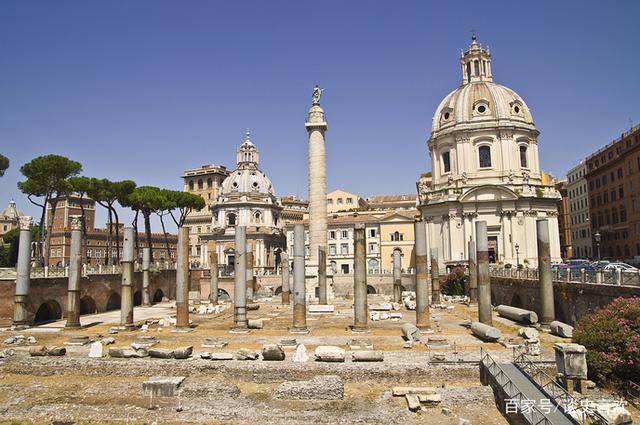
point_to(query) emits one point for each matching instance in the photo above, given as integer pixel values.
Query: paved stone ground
(77, 389)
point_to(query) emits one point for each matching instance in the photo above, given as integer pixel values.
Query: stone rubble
(322, 387)
(272, 352)
(246, 354)
(328, 353)
(300, 356)
(96, 350)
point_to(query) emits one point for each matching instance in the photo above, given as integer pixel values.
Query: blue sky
(143, 90)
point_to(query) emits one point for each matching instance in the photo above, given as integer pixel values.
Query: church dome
(11, 212)
(479, 101)
(247, 178)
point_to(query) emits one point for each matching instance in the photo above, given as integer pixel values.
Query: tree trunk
(166, 239)
(47, 240)
(115, 214)
(85, 241)
(109, 238)
(147, 231)
(135, 227)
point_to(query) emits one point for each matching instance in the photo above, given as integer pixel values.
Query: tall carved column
(316, 126)
(126, 303)
(75, 271)
(23, 279)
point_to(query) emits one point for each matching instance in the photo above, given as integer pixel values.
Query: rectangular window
(523, 157)
(332, 250)
(330, 201)
(604, 179)
(345, 234)
(372, 233)
(332, 234)
(484, 156)
(344, 249)
(339, 201)
(372, 248)
(446, 162)
(349, 200)
(621, 192)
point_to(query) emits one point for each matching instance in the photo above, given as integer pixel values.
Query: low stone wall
(97, 293)
(572, 300)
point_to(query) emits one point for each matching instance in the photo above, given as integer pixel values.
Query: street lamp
(596, 236)
(517, 247)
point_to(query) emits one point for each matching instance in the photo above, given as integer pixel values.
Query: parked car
(579, 264)
(599, 265)
(620, 266)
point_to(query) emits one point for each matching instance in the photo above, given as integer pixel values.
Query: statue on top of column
(317, 94)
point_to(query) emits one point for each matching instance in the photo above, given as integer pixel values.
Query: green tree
(4, 164)
(11, 239)
(47, 177)
(184, 202)
(107, 193)
(147, 200)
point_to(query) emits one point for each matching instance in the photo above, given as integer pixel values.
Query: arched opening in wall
(278, 290)
(137, 298)
(157, 296)
(371, 290)
(88, 305)
(559, 311)
(113, 303)
(516, 301)
(223, 295)
(49, 311)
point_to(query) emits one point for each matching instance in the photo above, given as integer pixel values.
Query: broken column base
(301, 331)
(360, 330)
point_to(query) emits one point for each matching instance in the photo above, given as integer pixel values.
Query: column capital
(25, 222)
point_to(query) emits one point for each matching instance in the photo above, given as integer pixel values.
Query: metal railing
(558, 395)
(533, 414)
(632, 392)
(572, 275)
(87, 269)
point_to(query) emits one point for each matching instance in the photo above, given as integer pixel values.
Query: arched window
(209, 183)
(484, 155)
(523, 157)
(257, 217)
(190, 184)
(468, 71)
(476, 68)
(446, 162)
(200, 185)
(231, 219)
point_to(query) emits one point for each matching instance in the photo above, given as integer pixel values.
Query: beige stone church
(484, 156)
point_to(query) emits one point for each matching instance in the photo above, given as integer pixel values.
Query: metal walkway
(521, 395)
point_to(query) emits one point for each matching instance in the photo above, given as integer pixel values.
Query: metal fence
(573, 275)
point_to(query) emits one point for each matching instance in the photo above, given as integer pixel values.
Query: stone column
(23, 279)
(146, 266)
(75, 272)
(423, 321)
(322, 275)
(240, 287)
(547, 309)
(126, 297)
(182, 279)
(249, 257)
(484, 283)
(397, 275)
(435, 277)
(285, 288)
(316, 127)
(213, 267)
(473, 273)
(299, 290)
(359, 279)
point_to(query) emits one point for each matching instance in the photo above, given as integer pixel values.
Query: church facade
(246, 198)
(485, 167)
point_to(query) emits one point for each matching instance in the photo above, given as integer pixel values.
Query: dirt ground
(81, 390)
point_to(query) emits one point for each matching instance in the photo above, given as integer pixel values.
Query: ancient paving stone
(529, 333)
(218, 355)
(183, 352)
(328, 353)
(413, 402)
(215, 342)
(144, 341)
(161, 353)
(272, 352)
(57, 351)
(430, 398)
(361, 344)
(401, 391)
(78, 340)
(437, 341)
(367, 356)
(288, 342)
(438, 357)
(321, 308)
(164, 386)
(410, 332)
(380, 307)
(323, 387)
(96, 350)
(127, 353)
(246, 354)
(300, 356)
(255, 324)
